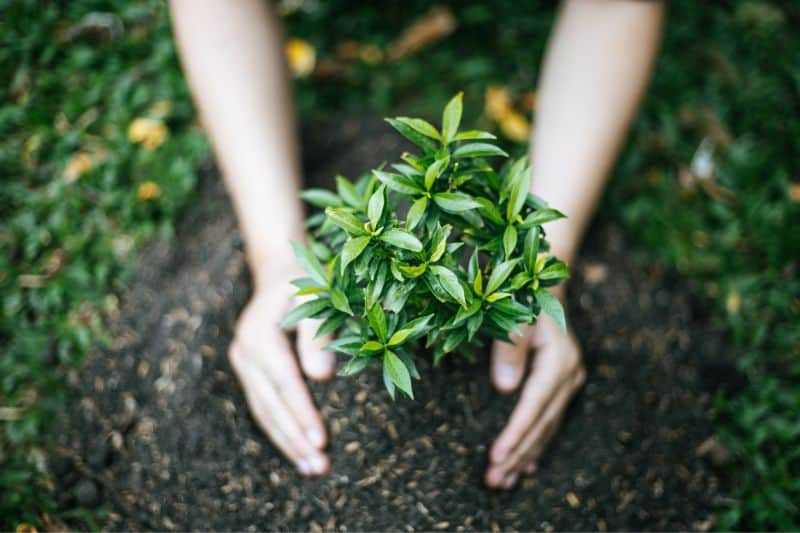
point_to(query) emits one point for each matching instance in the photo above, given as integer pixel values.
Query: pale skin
(596, 69)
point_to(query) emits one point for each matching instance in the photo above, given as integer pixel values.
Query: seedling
(467, 260)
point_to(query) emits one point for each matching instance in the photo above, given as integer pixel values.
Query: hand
(265, 365)
(556, 374)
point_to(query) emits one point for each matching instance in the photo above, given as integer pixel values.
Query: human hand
(273, 385)
(556, 374)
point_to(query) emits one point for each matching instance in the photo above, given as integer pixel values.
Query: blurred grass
(728, 73)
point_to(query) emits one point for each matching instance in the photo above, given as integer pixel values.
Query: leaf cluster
(468, 259)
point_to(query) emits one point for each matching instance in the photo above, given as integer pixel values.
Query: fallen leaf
(147, 191)
(150, 132)
(78, 165)
(437, 24)
(301, 57)
(572, 499)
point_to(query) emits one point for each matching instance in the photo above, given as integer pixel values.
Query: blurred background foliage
(99, 146)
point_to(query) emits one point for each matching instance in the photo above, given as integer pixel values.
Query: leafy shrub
(387, 283)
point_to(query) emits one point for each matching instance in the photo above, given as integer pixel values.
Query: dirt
(158, 432)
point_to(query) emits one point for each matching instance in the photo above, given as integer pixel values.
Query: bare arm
(596, 68)
(232, 55)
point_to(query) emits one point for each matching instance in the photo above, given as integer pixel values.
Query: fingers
(317, 363)
(508, 363)
(275, 417)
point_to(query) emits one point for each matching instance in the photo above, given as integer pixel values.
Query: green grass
(729, 73)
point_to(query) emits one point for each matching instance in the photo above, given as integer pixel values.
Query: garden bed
(159, 433)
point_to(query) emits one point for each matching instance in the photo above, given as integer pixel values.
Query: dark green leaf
(474, 135)
(375, 206)
(345, 219)
(519, 185)
(531, 247)
(352, 249)
(450, 283)
(509, 240)
(412, 330)
(377, 321)
(542, 216)
(321, 198)
(330, 324)
(354, 366)
(416, 212)
(557, 270)
(435, 170)
(499, 274)
(310, 264)
(398, 182)
(340, 302)
(348, 193)
(421, 140)
(420, 126)
(455, 202)
(305, 310)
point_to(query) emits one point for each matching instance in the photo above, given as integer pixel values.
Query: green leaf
(371, 346)
(421, 140)
(450, 283)
(345, 219)
(497, 296)
(477, 284)
(377, 321)
(451, 118)
(397, 295)
(413, 271)
(489, 210)
(398, 182)
(455, 202)
(349, 345)
(412, 330)
(375, 206)
(440, 240)
(435, 170)
(321, 198)
(416, 212)
(387, 382)
(398, 373)
(542, 216)
(520, 183)
(401, 239)
(354, 366)
(557, 270)
(509, 240)
(420, 126)
(309, 262)
(531, 248)
(330, 324)
(305, 310)
(352, 249)
(478, 150)
(340, 302)
(348, 193)
(472, 135)
(552, 307)
(499, 274)
(466, 312)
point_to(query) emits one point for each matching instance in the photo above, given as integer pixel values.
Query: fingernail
(506, 375)
(317, 464)
(509, 480)
(303, 466)
(316, 437)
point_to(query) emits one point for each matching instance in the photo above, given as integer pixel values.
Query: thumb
(316, 363)
(508, 363)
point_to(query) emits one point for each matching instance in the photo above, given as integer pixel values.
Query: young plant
(467, 260)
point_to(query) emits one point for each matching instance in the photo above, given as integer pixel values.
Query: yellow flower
(22, 527)
(148, 131)
(515, 126)
(78, 165)
(149, 190)
(497, 102)
(301, 57)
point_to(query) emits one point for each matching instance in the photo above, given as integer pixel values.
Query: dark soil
(158, 430)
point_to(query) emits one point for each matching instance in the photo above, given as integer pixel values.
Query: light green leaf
(309, 262)
(450, 283)
(451, 118)
(489, 210)
(330, 324)
(455, 202)
(509, 240)
(420, 126)
(413, 271)
(499, 274)
(348, 193)
(340, 302)
(497, 296)
(415, 212)
(305, 310)
(354, 366)
(520, 183)
(371, 346)
(345, 219)
(398, 182)
(401, 239)
(473, 135)
(398, 373)
(421, 140)
(352, 249)
(435, 170)
(375, 206)
(557, 270)
(413, 329)
(377, 321)
(552, 307)
(478, 150)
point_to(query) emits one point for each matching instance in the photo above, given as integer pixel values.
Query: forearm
(595, 71)
(233, 59)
